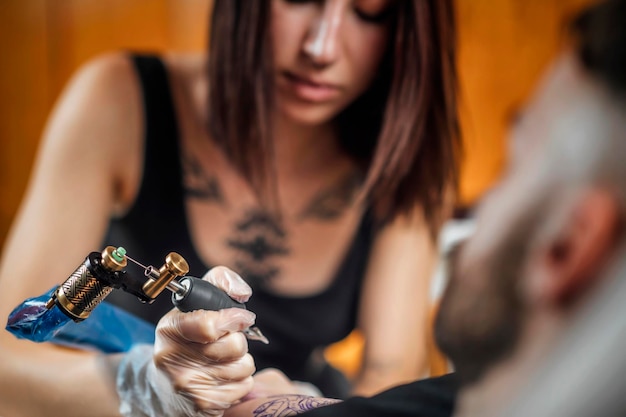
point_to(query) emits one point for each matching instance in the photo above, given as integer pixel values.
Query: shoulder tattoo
(199, 184)
(331, 202)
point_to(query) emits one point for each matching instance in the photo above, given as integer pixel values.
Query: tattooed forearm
(290, 405)
(200, 185)
(331, 202)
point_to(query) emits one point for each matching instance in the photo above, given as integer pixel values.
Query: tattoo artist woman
(312, 151)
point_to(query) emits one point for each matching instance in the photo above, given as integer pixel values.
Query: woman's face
(326, 54)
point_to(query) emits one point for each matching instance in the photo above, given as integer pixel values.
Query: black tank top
(157, 224)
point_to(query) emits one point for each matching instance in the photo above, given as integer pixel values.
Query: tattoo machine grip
(202, 295)
(197, 294)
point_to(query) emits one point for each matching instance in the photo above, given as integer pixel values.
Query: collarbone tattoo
(331, 202)
(198, 184)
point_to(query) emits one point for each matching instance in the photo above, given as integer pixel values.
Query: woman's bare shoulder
(187, 71)
(102, 93)
(189, 66)
(188, 78)
(109, 76)
(98, 118)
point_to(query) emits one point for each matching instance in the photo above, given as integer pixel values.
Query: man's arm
(433, 397)
(274, 394)
(278, 405)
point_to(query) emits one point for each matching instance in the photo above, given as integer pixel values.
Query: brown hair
(404, 129)
(601, 45)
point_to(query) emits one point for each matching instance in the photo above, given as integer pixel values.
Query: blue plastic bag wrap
(108, 329)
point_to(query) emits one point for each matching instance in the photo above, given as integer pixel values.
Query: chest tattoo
(258, 240)
(290, 405)
(331, 202)
(198, 184)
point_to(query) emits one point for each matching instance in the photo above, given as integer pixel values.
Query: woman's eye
(376, 18)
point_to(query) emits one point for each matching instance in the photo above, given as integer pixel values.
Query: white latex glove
(199, 365)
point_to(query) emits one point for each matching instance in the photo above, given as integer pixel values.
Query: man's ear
(571, 262)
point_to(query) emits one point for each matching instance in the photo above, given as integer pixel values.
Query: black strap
(160, 204)
(162, 153)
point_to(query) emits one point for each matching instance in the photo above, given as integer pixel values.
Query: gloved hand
(199, 364)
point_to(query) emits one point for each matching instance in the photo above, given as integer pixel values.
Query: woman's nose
(322, 43)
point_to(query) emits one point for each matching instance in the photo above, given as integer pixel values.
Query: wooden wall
(42, 42)
(504, 45)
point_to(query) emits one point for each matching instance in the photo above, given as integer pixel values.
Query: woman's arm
(395, 303)
(78, 179)
(88, 167)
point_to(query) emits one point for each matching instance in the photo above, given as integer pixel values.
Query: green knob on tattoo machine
(118, 254)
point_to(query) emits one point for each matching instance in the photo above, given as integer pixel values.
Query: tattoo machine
(102, 272)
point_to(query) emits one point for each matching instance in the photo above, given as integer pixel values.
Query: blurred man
(545, 238)
(551, 229)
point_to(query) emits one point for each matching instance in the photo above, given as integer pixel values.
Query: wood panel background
(504, 46)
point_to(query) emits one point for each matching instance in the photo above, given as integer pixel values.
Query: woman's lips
(311, 90)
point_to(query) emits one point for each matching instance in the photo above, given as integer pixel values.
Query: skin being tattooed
(260, 238)
(331, 202)
(289, 405)
(198, 184)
